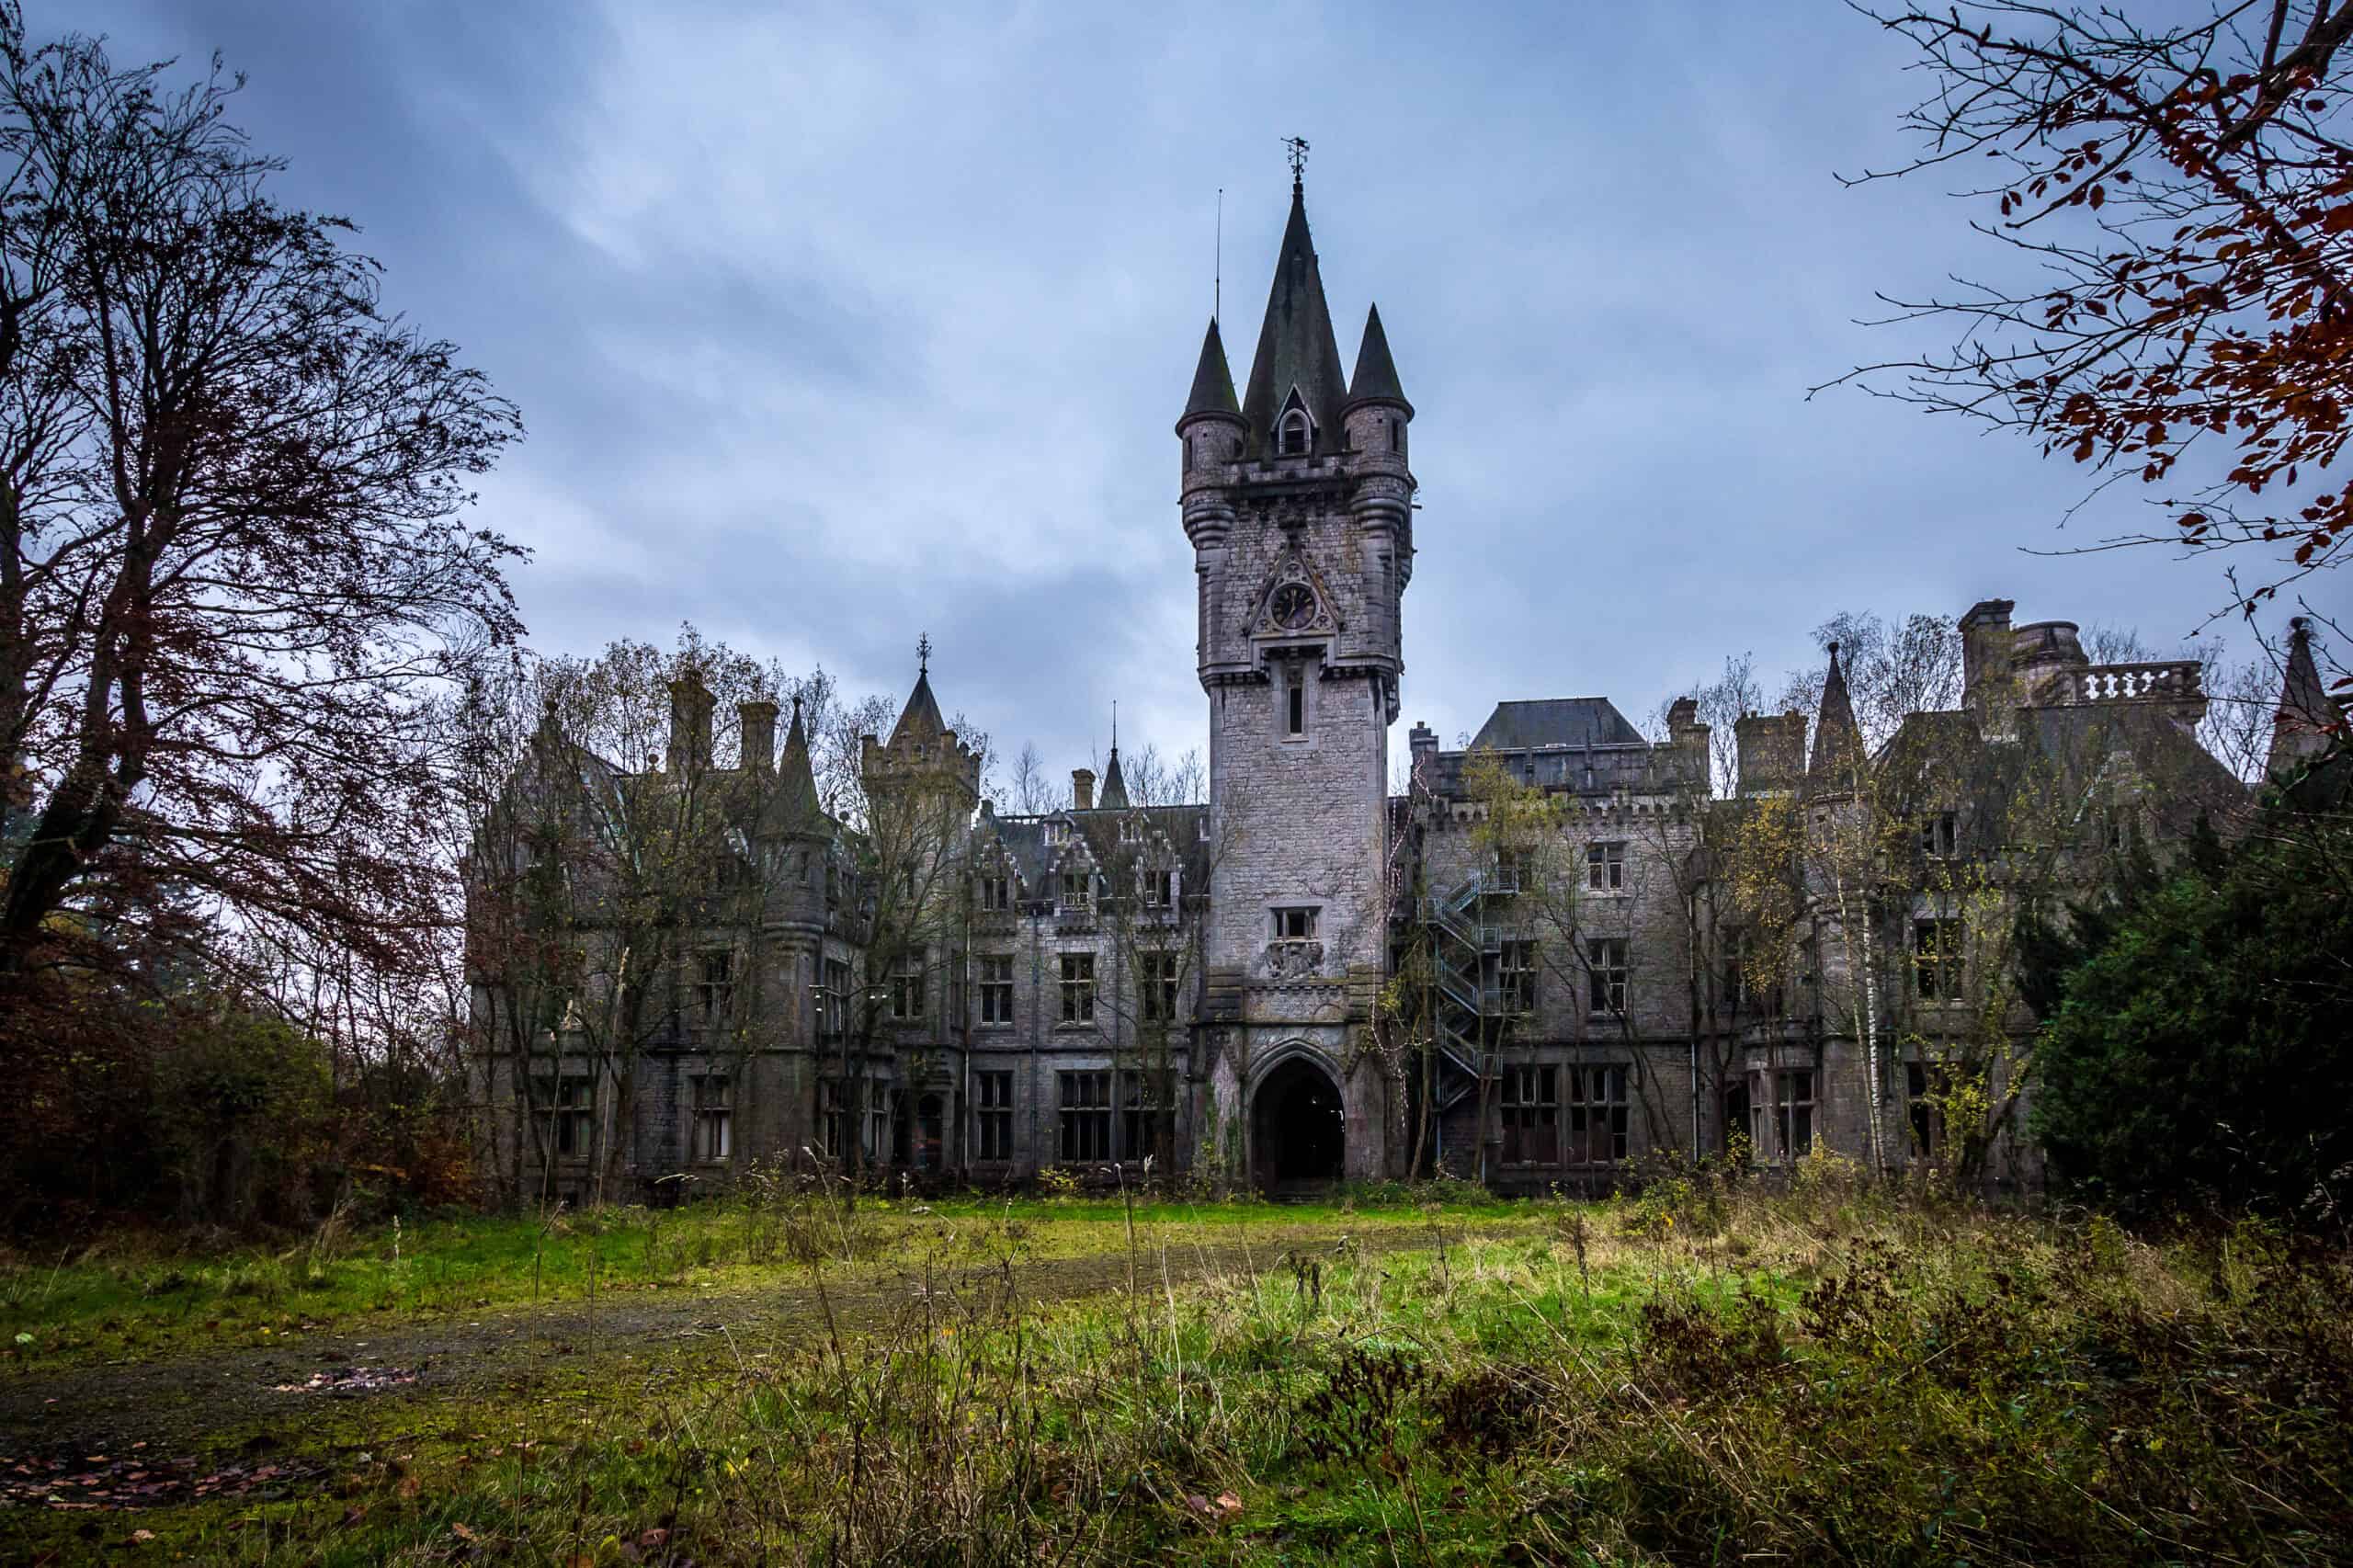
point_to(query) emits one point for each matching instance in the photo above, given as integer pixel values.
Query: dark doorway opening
(1297, 1136)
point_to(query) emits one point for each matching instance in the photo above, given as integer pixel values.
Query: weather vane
(923, 654)
(1298, 145)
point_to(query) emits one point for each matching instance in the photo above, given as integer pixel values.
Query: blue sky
(833, 325)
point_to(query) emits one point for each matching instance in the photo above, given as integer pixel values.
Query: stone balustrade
(2167, 680)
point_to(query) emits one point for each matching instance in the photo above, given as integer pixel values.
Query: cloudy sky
(836, 324)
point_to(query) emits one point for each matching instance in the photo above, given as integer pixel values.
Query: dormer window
(1297, 434)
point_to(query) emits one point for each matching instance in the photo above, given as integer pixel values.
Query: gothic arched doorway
(1297, 1135)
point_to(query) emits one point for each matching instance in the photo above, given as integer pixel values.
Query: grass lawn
(1706, 1374)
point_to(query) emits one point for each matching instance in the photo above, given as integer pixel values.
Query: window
(1130, 831)
(1605, 867)
(1140, 1113)
(1055, 832)
(1511, 870)
(1294, 700)
(832, 1000)
(716, 989)
(1396, 433)
(1749, 985)
(1159, 983)
(1531, 1116)
(573, 1119)
(997, 894)
(1077, 890)
(906, 991)
(1295, 925)
(1597, 1116)
(1793, 1112)
(993, 1114)
(1297, 434)
(1936, 951)
(996, 992)
(1940, 833)
(711, 1119)
(1078, 988)
(831, 1118)
(1606, 965)
(1924, 1089)
(1158, 886)
(1085, 1100)
(1516, 973)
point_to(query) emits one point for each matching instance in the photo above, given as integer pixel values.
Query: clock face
(1294, 605)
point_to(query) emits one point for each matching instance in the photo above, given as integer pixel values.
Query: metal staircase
(1469, 1013)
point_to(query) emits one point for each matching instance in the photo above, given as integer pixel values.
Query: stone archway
(1298, 1134)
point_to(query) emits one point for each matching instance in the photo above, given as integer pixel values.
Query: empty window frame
(1157, 977)
(1531, 1115)
(907, 992)
(996, 992)
(1143, 1097)
(1085, 1100)
(1298, 434)
(997, 894)
(1296, 924)
(1077, 891)
(1078, 988)
(1940, 834)
(1294, 700)
(993, 1116)
(1923, 1089)
(571, 1118)
(833, 1126)
(1515, 976)
(713, 1118)
(715, 987)
(1605, 867)
(1606, 970)
(1938, 948)
(833, 999)
(1793, 1107)
(1597, 1114)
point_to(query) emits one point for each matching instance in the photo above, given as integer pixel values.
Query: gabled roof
(1376, 377)
(1555, 722)
(1296, 347)
(1213, 382)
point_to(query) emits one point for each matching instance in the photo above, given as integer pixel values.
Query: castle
(1559, 951)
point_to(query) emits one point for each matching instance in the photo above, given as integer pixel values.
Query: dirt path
(181, 1401)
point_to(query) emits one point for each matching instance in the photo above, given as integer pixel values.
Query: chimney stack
(1081, 789)
(759, 720)
(1772, 751)
(1987, 648)
(1688, 737)
(1421, 742)
(691, 706)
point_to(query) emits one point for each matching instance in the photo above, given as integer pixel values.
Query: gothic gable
(1294, 601)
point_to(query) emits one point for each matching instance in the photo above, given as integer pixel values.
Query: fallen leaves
(345, 1383)
(100, 1482)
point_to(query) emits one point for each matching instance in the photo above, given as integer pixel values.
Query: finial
(1834, 648)
(923, 654)
(1298, 145)
(1114, 724)
(796, 706)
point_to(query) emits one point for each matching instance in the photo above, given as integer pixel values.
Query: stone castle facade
(1559, 951)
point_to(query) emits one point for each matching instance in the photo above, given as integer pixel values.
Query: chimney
(690, 707)
(1421, 744)
(1987, 647)
(1772, 751)
(1688, 737)
(1081, 789)
(759, 719)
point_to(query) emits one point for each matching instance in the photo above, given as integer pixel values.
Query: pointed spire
(1837, 742)
(1296, 348)
(920, 720)
(2307, 720)
(1115, 788)
(1376, 377)
(1212, 383)
(797, 806)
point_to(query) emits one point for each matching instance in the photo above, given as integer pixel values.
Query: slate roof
(1296, 347)
(1033, 858)
(1555, 722)
(920, 718)
(1837, 740)
(1376, 377)
(1213, 382)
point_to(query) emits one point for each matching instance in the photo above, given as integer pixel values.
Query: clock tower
(1299, 506)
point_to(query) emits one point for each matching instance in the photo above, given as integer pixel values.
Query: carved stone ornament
(1294, 960)
(1293, 602)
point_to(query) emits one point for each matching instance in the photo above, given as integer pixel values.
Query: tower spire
(1837, 741)
(1297, 356)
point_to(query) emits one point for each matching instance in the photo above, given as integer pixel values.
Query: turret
(1212, 427)
(1837, 740)
(690, 705)
(1377, 411)
(2307, 723)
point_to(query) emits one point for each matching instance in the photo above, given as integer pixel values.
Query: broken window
(1793, 1106)
(1924, 1090)
(1531, 1116)
(1146, 1093)
(993, 1116)
(1606, 968)
(1078, 988)
(713, 1118)
(997, 894)
(907, 992)
(572, 1116)
(1085, 1101)
(1515, 976)
(1597, 1115)
(1158, 980)
(996, 991)
(716, 988)
(1077, 891)
(1295, 925)
(1940, 833)
(833, 999)
(1937, 953)
(1605, 867)
(833, 1123)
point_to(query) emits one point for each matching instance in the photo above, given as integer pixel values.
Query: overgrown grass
(142, 1295)
(1709, 1374)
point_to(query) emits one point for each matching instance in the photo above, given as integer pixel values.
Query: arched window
(1297, 434)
